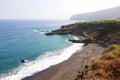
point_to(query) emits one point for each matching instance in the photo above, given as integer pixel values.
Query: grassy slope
(106, 67)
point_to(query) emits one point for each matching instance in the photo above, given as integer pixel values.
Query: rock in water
(22, 61)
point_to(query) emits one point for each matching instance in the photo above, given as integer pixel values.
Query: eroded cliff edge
(107, 31)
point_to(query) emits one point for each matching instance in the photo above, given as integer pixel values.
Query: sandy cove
(67, 70)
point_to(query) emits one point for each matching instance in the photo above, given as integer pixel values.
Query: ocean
(22, 39)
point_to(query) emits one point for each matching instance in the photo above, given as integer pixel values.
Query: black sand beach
(68, 69)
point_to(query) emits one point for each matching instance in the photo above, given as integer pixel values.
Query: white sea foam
(41, 63)
(74, 37)
(35, 30)
(41, 31)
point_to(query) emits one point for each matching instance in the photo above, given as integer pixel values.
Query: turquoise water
(20, 39)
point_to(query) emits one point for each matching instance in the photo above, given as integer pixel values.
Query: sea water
(21, 39)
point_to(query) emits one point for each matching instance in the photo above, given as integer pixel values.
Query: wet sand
(67, 70)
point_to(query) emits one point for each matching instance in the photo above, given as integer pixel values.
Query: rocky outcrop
(107, 31)
(83, 41)
(66, 29)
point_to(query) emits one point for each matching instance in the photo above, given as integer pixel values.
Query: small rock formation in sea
(22, 61)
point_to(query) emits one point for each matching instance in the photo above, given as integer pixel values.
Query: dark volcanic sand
(68, 69)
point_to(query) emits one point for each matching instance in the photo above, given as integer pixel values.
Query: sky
(51, 9)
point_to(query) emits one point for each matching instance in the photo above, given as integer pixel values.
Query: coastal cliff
(107, 31)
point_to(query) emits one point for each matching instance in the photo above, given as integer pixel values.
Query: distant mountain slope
(110, 13)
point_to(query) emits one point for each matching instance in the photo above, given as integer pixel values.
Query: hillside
(111, 13)
(106, 67)
(107, 31)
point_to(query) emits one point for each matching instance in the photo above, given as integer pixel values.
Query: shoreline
(68, 69)
(42, 63)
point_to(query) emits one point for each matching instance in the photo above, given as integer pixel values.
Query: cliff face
(106, 30)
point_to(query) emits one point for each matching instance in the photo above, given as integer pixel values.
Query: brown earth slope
(106, 67)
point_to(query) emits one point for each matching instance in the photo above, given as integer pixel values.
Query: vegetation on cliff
(104, 30)
(106, 67)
